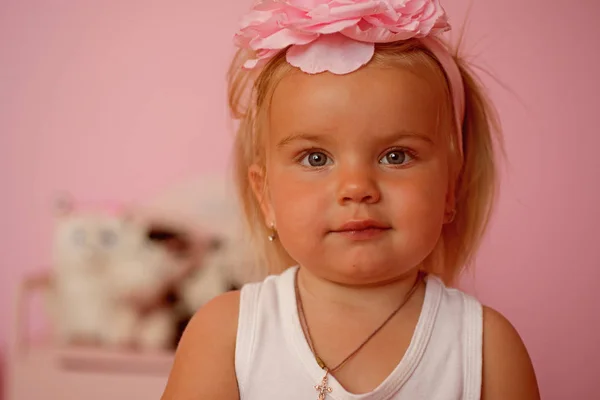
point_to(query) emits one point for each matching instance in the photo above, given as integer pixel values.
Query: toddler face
(357, 171)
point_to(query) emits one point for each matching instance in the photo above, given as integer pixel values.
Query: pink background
(115, 99)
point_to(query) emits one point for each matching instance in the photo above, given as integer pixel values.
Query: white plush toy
(85, 244)
(109, 280)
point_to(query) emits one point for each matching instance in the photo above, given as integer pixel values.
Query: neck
(381, 296)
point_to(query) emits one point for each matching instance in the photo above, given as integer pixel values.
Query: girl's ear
(450, 210)
(258, 182)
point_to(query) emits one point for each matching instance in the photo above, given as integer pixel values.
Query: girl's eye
(396, 157)
(315, 159)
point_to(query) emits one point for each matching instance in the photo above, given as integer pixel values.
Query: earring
(451, 216)
(273, 234)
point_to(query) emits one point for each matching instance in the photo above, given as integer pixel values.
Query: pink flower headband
(339, 36)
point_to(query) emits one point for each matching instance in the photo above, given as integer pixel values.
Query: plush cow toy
(204, 211)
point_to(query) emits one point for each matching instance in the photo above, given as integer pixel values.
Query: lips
(362, 225)
(363, 230)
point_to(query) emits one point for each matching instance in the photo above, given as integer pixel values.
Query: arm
(204, 366)
(507, 369)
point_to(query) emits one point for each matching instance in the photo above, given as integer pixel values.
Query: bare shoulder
(507, 369)
(204, 366)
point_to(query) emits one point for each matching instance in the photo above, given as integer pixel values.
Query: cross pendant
(323, 388)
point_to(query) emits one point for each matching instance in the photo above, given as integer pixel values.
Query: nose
(357, 185)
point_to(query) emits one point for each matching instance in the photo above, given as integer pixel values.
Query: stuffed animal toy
(110, 279)
(140, 281)
(204, 211)
(86, 243)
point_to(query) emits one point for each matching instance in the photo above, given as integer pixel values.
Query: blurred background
(123, 103)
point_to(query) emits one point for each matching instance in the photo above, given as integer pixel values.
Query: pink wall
(115, 99)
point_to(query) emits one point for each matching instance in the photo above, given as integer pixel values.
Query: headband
(339, 36)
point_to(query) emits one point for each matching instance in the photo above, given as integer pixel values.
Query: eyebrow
(299, 136)
(410, 134)
(402, 134)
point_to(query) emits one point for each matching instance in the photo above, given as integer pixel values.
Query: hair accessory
(339, 36)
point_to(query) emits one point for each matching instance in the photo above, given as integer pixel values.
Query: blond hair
(473, 173)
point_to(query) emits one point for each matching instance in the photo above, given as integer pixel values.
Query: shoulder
(204, 365)
(507, 369)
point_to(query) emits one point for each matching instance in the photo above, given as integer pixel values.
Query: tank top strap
(473, 347)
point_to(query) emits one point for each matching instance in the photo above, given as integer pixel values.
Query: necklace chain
(306, 328)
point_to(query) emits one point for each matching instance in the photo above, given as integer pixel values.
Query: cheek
(419, 206)
(296, 202)
(299, 207)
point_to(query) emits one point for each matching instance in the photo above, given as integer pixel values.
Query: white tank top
(273, 359)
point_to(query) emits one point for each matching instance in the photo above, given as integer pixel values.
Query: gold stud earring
(451, 216)
(273, 234)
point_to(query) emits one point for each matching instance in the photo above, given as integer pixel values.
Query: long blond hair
(474, 172)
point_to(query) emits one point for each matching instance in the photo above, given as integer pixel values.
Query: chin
(362, 271)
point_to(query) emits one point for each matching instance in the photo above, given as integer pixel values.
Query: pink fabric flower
(334, 35)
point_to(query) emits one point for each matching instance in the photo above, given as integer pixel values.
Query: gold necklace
(323, 388)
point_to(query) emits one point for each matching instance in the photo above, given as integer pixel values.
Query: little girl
(365, 163)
